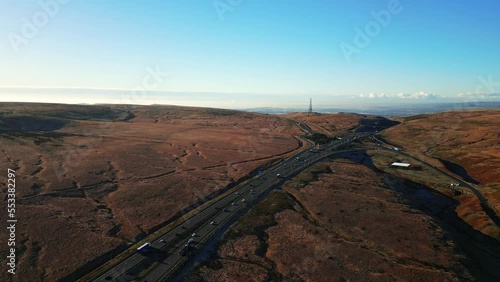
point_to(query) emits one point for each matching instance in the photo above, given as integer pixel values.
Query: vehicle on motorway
(162, 241)
(193, 235)
(233, 204)
(191, 240)
(243, 200)
(237, 193)
(212, 222)
(186, 250)
(143, 247)
(183, 252)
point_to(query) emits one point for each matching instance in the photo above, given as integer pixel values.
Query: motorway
(163, 259)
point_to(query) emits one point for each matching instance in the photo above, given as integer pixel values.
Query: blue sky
(232, 53)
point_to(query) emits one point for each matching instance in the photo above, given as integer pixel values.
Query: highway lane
(169, 266)
(261, 185)
(170, 240)
(304, 127)
(169, 244)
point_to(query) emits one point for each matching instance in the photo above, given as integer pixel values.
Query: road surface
(163, 259)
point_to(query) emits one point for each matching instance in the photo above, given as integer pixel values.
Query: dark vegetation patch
(38, 137)
(415, 117)
(309, 175)
(30, 123)
(319, 138)
(375, 124)
(261, 216)
(458, 170)
(35, 116)
(220, 112)
(97, 113)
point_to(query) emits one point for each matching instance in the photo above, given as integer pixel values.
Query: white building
(403, 165)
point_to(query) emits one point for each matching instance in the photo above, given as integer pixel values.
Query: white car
(193, 235)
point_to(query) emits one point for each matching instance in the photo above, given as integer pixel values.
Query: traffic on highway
(160, 259)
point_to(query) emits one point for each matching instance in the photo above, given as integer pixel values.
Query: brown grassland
(92, 178)
(338, 222)
(331, 124)
(342, 221)
(470, 139)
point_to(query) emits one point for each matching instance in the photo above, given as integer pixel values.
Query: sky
(242, 53)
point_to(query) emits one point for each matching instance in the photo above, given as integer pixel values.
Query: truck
(143, 247)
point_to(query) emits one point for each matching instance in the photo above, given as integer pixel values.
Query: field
(91, 179)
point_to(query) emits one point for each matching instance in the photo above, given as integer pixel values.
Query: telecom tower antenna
(310, 113)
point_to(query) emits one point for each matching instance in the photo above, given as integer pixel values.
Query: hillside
(465, 143)
(93, 178)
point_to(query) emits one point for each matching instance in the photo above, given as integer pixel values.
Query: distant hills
(389, 110)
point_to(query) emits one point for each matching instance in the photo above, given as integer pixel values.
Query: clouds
(373, 95)
(418, 95)
(422, 95)
(485, 96)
